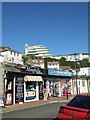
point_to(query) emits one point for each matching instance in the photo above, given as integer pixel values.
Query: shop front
(59, 85)
(13, 88)
(54, 88)
(24, 87)
(33, 88)
(20, 88)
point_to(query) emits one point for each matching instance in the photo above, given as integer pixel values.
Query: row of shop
(22, 87)
(31, 84)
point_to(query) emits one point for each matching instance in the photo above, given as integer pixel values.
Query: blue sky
(60, 26)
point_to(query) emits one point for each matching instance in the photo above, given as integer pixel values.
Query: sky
(62, 27)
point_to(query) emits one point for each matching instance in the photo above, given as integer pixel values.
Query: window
(80, 102)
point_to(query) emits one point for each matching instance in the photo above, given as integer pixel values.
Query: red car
(77, 108)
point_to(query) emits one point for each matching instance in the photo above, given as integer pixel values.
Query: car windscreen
(80, 102)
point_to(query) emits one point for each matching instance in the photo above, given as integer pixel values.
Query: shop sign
(59, 72)
(32, 70)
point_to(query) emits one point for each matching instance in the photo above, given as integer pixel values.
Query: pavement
(35, 103)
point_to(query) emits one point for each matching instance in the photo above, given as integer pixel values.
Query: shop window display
(54, 89)
(67, 89)
(30, 90)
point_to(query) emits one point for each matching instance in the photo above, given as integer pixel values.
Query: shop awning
(33, 78)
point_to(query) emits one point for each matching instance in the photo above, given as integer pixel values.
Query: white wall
(84, 71)
(12, 57)
(53, 65)
(83, 88)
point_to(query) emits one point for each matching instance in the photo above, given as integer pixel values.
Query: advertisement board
(30, 95)
(59, 72)
(9, 91)
(41, 90)
(19, 90)
(9, 99)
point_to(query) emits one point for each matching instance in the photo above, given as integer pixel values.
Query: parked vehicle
(77, 108)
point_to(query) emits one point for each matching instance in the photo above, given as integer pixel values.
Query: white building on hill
(73, 57)
(11, 57)
(37, 50)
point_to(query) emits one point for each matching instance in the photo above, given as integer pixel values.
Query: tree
(63, 62)
(33, 57)
(88, 64)
(85, 62)
(71, 64)
(25, 58)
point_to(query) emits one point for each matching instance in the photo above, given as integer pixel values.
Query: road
(44, 111)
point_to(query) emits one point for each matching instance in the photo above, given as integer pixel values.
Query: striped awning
(33, 78)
